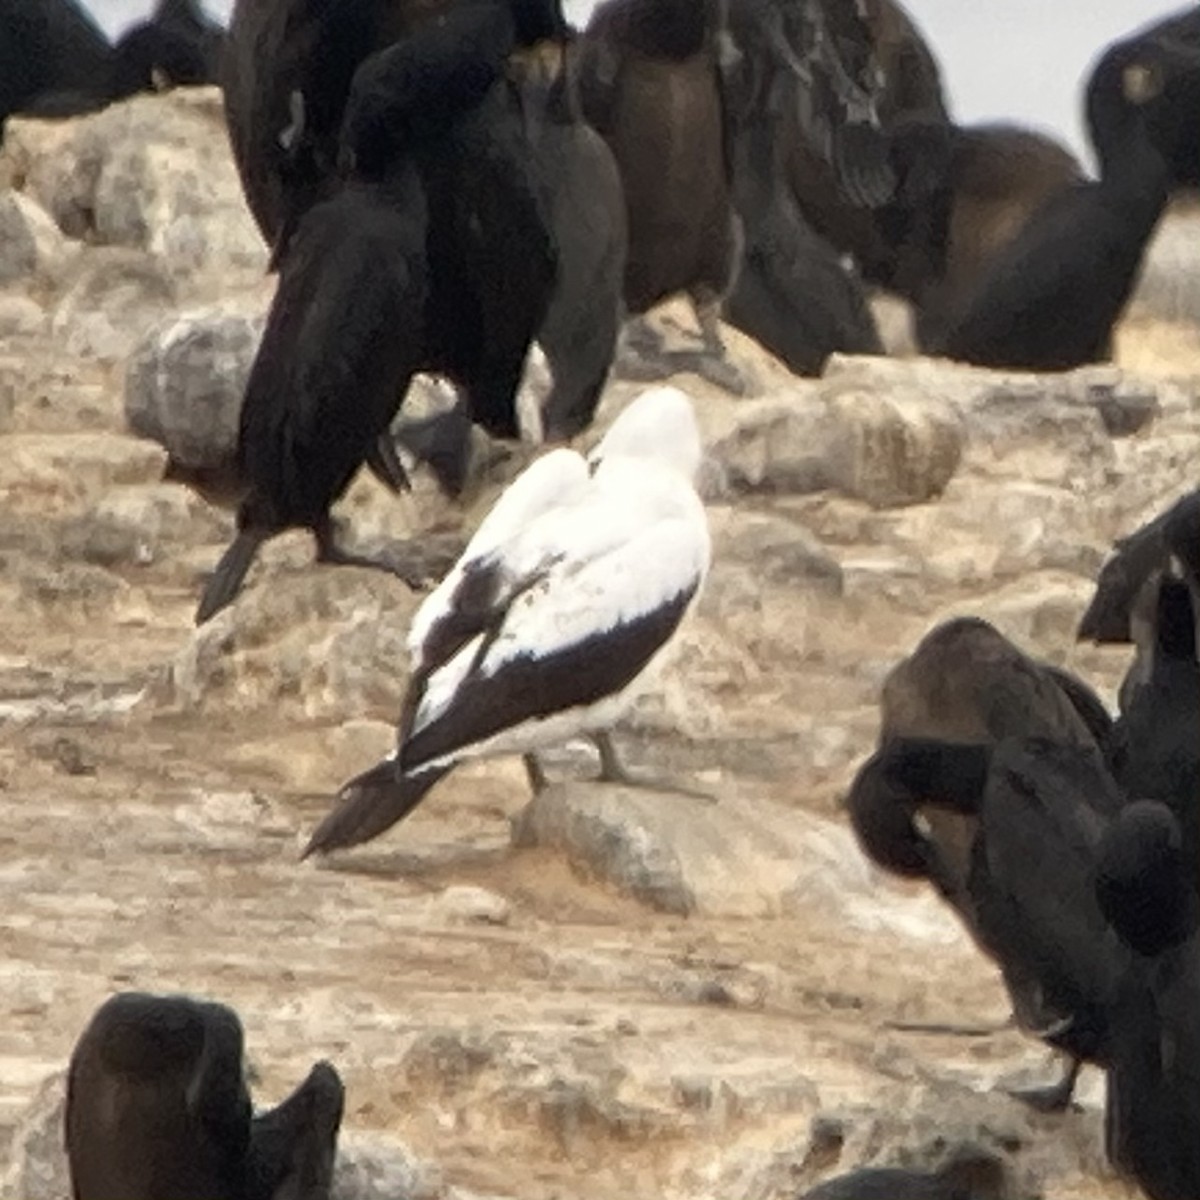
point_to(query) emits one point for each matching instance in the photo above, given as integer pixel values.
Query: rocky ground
(602, 995)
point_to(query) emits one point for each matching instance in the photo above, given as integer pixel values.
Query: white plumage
(546, 627)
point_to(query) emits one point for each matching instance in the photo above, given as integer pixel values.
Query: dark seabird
(1174, 533)
(966, 684)
(969, 1175)
(585, 205)
(177, 47)
(49, 47)
(56, 63)
(1146, 885)
(546, 628)
(1171, 123)
(1157, 754)
(1041, 808)
(649, 82)
(343, 337)
(287, 73)
(158, 1109)
(1051, 298)
(996, 179)
(793, 293)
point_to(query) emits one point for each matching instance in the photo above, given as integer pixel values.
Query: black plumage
(343, 337)
(966, 1176)
(964, 691)
(1157, 737)
(158, 1109)
(55, 62)
(793, 293)
(1146, 884)
(649, 82)
(1042, 807)
(1173, 534)
(1050, 300)
(49, 48)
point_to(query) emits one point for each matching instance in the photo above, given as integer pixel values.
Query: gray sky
(1017, 59)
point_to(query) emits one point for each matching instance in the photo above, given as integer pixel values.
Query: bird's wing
(335, 356)
(464, 603)
(828, 50)
(611, 590)
(1133, 560)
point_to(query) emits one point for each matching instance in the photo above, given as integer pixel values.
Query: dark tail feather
(946, 774)
(293, 1147)
(370, 804)
(226, 581)
(1175, 627)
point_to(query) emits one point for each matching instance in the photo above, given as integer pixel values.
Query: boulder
(184, 384)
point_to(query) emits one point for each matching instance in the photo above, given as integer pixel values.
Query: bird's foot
(720, 372)
(538, 782)
(413, 561)
(1050, 1098)
(613, 770)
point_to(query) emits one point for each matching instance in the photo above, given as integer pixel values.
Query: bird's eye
(1140, 83)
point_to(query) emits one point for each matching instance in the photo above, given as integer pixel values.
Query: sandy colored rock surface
(515, 1020)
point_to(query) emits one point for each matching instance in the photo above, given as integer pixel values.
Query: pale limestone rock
(329, 640)
(21, 317)
(733, 856)
(138, 524)
(31, 243)
(153, 173)
(36, 1160)
(893, 448)
(112, 297)
(184, 384)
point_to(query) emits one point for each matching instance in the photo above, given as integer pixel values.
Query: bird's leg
(640, 355)
(712, 363)
(538, 782)
(640, 335)
(1054, 1098)
(332, 552)
(613, 770)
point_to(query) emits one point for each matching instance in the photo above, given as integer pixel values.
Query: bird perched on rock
(649, 82)
(568, 593)
(343, 337)
(158, 1109)
(1050, 299)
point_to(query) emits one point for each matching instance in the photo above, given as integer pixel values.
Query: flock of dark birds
(444, 184)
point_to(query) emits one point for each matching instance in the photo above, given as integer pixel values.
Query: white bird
(548, 625)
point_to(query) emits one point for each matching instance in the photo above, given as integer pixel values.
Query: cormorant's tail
(226, 581)
(370, 804)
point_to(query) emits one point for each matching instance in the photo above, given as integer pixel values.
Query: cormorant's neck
(673, 29)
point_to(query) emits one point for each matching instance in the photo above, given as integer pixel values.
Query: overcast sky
(1015, 59)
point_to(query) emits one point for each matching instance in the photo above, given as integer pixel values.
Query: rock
(47, 473)
(153, 173)
(471, 905)
(732, 857)
(30, 242)
(135, 525)
(775, 548)
(37, 1160)
(185, 381)
(376, 1167)
(21, 317)
(779, 444)
(324, 641)
(893, 448)
(113, 297)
